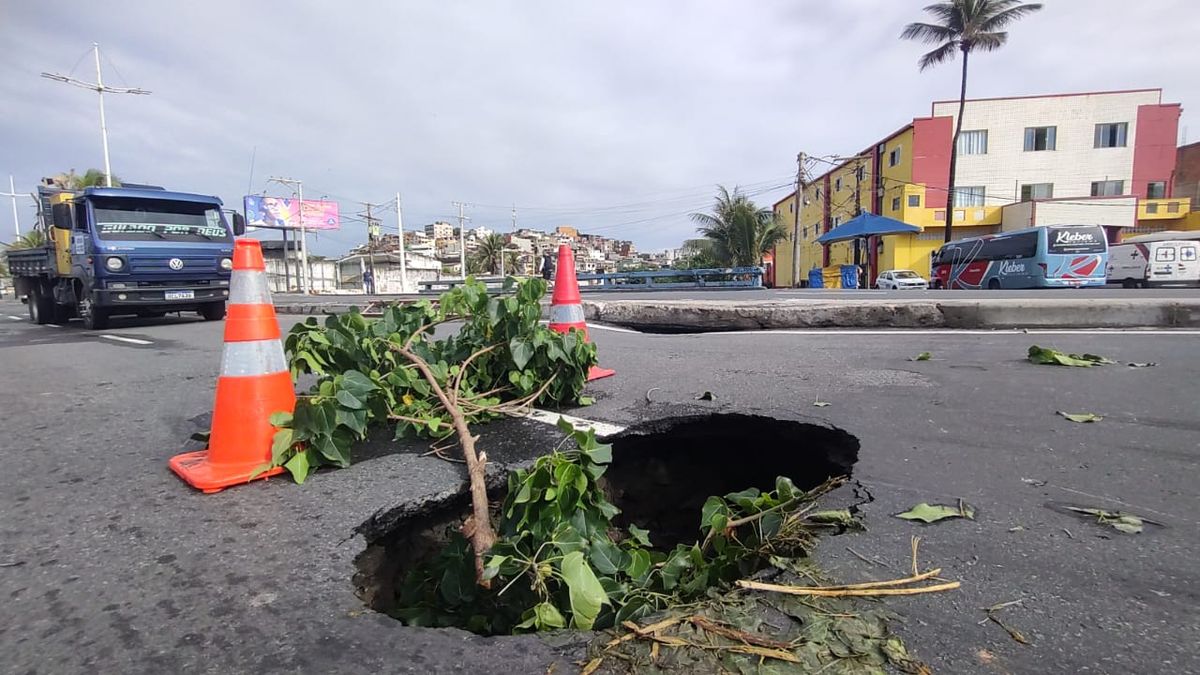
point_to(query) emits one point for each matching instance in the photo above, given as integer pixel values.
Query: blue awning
(866, 225)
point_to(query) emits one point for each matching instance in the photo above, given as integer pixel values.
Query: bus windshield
(127, 219)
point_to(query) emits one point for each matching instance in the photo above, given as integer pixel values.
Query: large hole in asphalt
(661, 473)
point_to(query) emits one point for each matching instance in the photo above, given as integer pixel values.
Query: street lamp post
(100, 89)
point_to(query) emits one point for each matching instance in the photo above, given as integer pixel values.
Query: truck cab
(134, 251)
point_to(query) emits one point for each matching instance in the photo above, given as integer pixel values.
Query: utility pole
(100, 89)
(403, 262)
(13, 194)
(796, 225)
(298, 185)
(462, 238)
(371, 220)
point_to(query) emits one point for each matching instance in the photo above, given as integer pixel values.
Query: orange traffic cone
(254, 383)
(566, 307)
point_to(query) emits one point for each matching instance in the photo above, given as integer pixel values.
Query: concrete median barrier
(693, 316)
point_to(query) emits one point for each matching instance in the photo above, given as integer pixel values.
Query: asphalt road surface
(109, 563)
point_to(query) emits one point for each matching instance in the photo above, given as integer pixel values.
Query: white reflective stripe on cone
(258, 357)
(566, 313)
(249, 287)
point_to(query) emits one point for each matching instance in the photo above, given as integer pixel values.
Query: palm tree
(90, 178)
(739, 231)
(487, 254)
(965, 26)
(32, 239)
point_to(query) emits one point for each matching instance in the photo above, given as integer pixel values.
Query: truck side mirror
(60, 214)
(239, 224)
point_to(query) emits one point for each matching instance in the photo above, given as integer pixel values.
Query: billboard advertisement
(280, 212)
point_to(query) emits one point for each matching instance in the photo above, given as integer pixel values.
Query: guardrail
(727, 277)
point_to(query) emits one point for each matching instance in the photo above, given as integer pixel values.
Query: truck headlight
(114, 264)
(226, 264)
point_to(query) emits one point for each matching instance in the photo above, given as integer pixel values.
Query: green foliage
(560, 560)
(1053, 357)
(362, 381)
(932, 513)
(31, 239)
(90, 178)
(739, 231)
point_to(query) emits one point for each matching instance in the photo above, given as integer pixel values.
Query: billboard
(280, 212)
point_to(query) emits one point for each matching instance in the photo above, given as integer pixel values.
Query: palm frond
(1004, 17)
(988, 42)
(928, 33)
(939, 55)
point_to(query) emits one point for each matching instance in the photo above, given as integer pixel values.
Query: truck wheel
(41, 305)
(213, 311)
(94, 318)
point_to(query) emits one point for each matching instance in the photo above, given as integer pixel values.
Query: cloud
(618, 117)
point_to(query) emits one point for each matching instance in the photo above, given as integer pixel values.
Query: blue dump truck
(140, 251)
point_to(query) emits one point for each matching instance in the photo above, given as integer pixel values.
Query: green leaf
(638, 564)
(544, 616)
(1128, 524)
(639, 535)
(600, 454)
(584, 590)
(1053, 357)
(521, 351)
(923, 356)
(357, 383)
(605, 556)
(713, 506)
(677, 563)
(348, 400)
(280, 444)
(299, 467)
(282, 418)
(1081, 417)
(932, 513)
(785, 488)
(434, 424)
(832, 517)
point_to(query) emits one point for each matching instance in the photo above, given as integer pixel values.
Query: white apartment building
(439, 230)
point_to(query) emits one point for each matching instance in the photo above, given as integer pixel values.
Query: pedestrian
(369, 282)
(547, 265)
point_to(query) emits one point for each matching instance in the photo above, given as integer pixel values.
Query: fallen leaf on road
(834, 517)
(1033, 481)
(1081, 417)
(923, 356)
(1018, 528)
(1121, 522)
(1053, 357)
(820, 404)
(1142, 365)
(932, 513)
(707, 396)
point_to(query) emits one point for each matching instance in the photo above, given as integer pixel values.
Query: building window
(1040, 138)
(895, 203)
(1152, 208)
(1156, 190)
(792, 207)
(972, 142)
(1173, 207)
(940, 214)
(914, 201)
(837, 185)
(894, 156)
(1111, 135)
(972, 195)
(1031, 191)
(1108, 188)
(837, 220)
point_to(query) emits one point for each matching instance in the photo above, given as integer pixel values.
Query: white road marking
(952, 331)
(14, 317)
(122, 338)
(548, 417)
(53, 325)
(615, 329)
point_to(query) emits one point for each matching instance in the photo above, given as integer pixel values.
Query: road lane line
(615, 329)
(53, 325)
(16, 318)
(132, 341)
(548, 417)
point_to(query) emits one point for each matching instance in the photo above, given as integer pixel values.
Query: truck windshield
(149, 219)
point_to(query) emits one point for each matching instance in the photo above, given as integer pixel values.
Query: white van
(1154, 263)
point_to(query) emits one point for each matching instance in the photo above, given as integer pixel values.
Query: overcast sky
(617, 117)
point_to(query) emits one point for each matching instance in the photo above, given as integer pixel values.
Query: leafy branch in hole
(560, 560)
(393, 370)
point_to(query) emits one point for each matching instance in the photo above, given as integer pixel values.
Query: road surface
(111, 564)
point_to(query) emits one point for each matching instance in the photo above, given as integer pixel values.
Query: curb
(677, 316)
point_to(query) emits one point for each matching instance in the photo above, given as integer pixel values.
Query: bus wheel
(994, 285)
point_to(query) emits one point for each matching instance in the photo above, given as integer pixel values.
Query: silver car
(901, 280)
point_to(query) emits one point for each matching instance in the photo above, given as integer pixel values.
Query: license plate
(179, 295)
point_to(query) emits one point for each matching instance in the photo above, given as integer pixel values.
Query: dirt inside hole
(660, 475)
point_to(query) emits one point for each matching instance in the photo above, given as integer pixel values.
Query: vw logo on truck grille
(175, 264)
